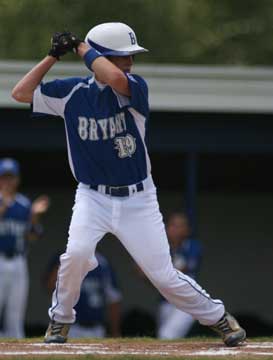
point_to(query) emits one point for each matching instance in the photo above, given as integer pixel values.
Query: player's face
(178, 228)
(124, 63)
(9, 183)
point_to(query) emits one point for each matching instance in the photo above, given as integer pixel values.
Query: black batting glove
(63, 42)
(76, 42)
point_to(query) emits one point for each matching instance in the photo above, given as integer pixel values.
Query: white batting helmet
(114, 38)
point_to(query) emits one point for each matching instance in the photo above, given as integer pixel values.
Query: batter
(105, 118)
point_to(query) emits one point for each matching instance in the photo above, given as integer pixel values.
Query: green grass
(135, 340)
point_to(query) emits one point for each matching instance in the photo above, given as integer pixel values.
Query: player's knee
(164, 280)
(79, 260)
(80, 254)
(79, 244)
(75, 256)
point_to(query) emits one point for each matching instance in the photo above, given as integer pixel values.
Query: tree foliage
(175, 31)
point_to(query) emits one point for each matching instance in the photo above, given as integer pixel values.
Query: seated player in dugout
(105, 117)
(19, 224)
(186, 254)
(98, 311)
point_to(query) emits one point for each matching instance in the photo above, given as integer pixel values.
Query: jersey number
(126, 146)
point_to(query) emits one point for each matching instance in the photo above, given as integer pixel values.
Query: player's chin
(127, 70)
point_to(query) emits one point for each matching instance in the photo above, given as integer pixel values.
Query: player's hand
(63, 42)
(40, 205)
(76, 41)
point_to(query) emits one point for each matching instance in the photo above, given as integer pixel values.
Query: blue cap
(9, 166)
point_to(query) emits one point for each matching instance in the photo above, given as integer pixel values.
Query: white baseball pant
(13, 295)
(137, 222)
(173, 323)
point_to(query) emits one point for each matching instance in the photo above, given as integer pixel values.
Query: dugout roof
(173, 88)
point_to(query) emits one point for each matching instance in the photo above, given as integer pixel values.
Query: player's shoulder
(61, 88)
(137, 79)
(23, 200)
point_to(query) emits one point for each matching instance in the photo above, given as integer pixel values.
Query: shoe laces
(223, 325)
(56, 328)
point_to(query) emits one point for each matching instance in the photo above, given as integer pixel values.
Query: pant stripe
(200, 292)
(56, 295)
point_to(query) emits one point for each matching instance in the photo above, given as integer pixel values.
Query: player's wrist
(90, 56)
(53, 55)
(51, 58)
(83, 48)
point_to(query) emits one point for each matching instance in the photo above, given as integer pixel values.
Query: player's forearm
(24, 89)
(106, 72)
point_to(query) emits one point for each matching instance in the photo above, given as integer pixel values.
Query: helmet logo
(133, 38)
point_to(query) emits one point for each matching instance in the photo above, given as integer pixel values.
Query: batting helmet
(114, 38)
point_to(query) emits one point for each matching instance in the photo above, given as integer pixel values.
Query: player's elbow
(116, 77)
(118, 81)
(21, 96)
(16, 95)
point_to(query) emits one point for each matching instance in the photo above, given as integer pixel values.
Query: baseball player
(99, 301)
(105, 116)
(19, 221)
(186, 254)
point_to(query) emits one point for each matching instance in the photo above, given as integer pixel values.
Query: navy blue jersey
(188, 254)
(99, 288)
(14, 224)
(105, 130)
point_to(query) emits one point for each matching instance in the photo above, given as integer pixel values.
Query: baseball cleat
(56, 333)
(230, 330)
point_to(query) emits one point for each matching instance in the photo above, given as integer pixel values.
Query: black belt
(119, 191)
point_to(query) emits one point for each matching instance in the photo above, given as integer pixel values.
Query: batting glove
(63, 42)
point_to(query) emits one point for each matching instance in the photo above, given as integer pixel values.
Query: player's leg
(4, 282)
(143, 234)
(173, 323)
(88, 226)
(17, 299)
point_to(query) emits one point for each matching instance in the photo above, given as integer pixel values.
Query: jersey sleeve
(25, 202)
(139, 95)
(51, 97)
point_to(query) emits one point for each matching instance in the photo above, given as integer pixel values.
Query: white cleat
(230, 330)
(56, 333)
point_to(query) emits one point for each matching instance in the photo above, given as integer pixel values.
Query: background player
(19, 222)
(186, 254)
(99, 305)
(105, 118)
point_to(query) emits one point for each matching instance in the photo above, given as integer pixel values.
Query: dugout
(210, 138)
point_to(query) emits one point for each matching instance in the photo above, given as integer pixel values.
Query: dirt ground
(131, 347)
